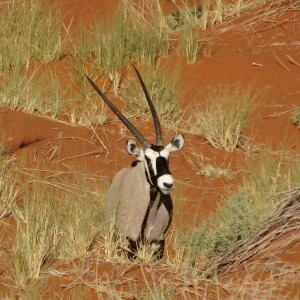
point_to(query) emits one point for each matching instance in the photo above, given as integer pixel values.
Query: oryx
(139, 197)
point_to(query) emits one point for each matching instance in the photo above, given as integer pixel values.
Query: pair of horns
(126, 122)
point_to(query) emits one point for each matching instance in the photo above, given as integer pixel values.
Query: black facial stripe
(153, 178)
(162, 166)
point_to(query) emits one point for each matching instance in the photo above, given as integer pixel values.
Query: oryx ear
(132, 148)
(176, 144)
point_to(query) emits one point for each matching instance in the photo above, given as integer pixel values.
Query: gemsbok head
(139, 200)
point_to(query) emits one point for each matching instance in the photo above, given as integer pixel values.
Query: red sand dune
(260, 51)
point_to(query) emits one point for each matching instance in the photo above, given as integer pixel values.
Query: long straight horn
(159, 138)
(126, 122)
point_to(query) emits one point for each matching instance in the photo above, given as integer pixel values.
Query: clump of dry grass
(37, 237)
(296, 116)
(81, 219)
(223, 116)
(56, 221)
(189, 44)
(210, 171)
(84, 108)
(186, 22)
(9, 190)
(33, 93)
(44, 94)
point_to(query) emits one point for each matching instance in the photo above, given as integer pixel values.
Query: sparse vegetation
(186, 23)
(223, 116)
(33, 93)
(134, 34)
(296, 116)
(81, 219)
(243, 212)
(208, 170)
(37, 238)
(9, 189)
(164, 90)
(53, 224)
(30, 31)
(61, 224)
(128, 37)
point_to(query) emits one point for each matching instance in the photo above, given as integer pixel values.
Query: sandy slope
(259, 48)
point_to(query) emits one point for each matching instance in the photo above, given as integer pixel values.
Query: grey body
(138, 213)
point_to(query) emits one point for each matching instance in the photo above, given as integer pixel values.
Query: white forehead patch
(151, 154)
(165, 153)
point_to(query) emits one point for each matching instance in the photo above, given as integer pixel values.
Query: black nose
(168, 185)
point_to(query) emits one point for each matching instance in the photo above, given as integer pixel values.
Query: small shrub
(243, 212)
